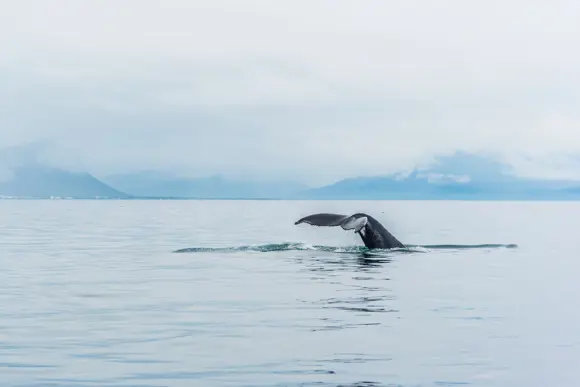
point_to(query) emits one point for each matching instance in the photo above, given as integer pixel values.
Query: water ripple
(92, 294)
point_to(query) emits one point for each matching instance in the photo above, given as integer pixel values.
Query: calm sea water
(93, 294)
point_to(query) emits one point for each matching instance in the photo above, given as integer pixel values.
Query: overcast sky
(310, 90)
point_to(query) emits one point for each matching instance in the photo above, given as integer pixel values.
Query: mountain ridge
(457, 177)
(158, 184)
(39, 181)
(461, 176)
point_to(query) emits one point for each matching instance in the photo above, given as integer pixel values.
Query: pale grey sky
(311, 90)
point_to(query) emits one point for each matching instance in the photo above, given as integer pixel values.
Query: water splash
(276, 247)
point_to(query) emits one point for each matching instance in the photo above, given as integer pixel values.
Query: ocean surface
(92, 293)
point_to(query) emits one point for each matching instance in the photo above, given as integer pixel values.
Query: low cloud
(313, 91)
(5, 173)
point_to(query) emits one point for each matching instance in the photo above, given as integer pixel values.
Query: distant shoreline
(517, 199)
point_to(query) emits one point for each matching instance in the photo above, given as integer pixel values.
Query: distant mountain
(158, 184)
(38, 181)
(458, 177)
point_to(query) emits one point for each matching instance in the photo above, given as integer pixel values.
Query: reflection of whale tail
(347, 222)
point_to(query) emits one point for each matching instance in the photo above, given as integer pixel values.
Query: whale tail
(354, 222)
(373, 234)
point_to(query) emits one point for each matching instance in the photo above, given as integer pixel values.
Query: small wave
(459, 247)
(275, 247)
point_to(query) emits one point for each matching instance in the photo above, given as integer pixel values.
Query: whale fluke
(373, 234)
(347, 222)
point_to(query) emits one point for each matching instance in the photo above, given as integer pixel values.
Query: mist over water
(95, 293)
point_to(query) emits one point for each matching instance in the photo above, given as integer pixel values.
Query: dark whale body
(373, 234)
